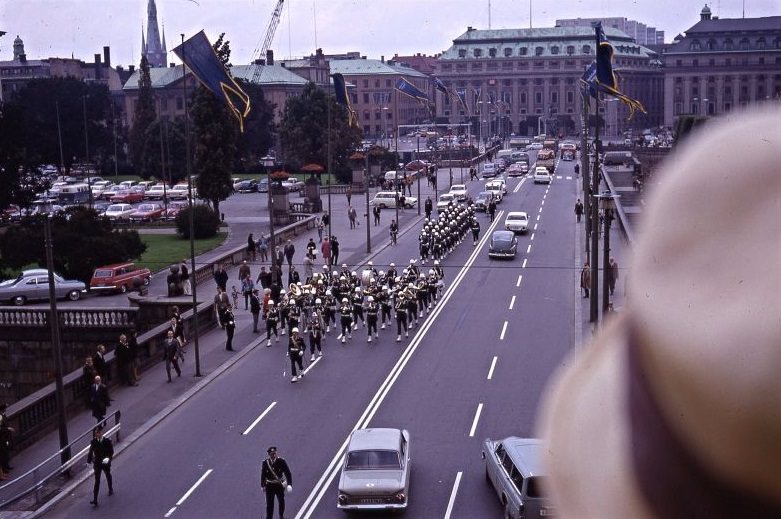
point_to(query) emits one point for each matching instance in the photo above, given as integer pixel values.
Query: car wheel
(146, 281)
(19, 300)
(123, 289)
(74, 295)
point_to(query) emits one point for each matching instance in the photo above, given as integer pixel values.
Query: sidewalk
(154, 398)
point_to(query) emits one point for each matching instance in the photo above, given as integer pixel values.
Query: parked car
(483, 199)
(293, 184)
(376, 471)
(174, 208)
(179, 192)
(459, 191)
(517, 221)
(147, 212)
(445, 200)
(146, 184)
(118, 278)
(513, 466)
(263, 185)
(246, 186)
(127, 196)
(541, 175)
(127, 184)
(119, 211)
(110, 191)
(33, 285)
(98, 188)
(503, 244)
(156, 192)
(384, 199)
(100, 206)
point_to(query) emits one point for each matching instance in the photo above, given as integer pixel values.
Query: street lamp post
(607, 205)
(86, 147)
(268, 163)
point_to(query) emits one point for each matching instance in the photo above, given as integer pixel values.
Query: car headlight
(343, 498)
(400, 497)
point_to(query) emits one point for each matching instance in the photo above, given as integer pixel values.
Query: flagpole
(584, 165)
(594, 307)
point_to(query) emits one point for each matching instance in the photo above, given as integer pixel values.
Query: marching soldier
(283, 311)
(383, 296)
(475, 227)
(391, 275)
(293, 314)
(358, 308)
(412, 304)
(315, 334)
(372, 309)
(295, 350)
(346, 320)
(400, 307)
(421, 293)
(330, 310)
(424, 246)
(272, 316)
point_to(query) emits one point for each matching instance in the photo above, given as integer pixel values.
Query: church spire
(154, 50)
(164, 46)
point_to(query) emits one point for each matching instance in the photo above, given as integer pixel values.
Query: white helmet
(370, 263)
(392, 264)
(342, 278)
(335, 272)
(344, 265)
(358, 289)
(370, 299)
(270, 302)
(436, 262)
(372, 280)
(318, 301)
(325, 267)
(283, 291)
(421, 276)
(291, 301)
(345, 300)
(431, 272)
(294, 330)
(328, 292)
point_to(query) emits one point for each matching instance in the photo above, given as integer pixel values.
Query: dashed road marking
(531, 238)
(491, 369)
(512, 303)
(523, 266)
(529, 249)
(259, 418)
(187, 494)
(476, 419)
(453, 493)
(520, 276)
(504, 329)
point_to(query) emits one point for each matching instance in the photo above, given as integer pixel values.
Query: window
(366, 129)
(538, 97)
(570, 50)
(492, 52)
(523, 98)
(477, 66)
(586, 49)
(695, 45)
(461, 53)
(377, 115)
(179, 103)
(538, 51)
(517, 479)
(523, 51)
(387, 83)
(365, 83)
(711, 45)
(743, 45)
(477, 53)
(728, 45)
(366, 97)
(507, 65)
(508, 52)
(554, 49)
(554, 97)
(376, 83)
(366, 116)
(570, 97)
(678, 63)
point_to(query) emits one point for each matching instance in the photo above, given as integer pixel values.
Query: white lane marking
(476, 419)
(520, 276)
(504, 329)
(523, 266)
(539, 211)
(171, 511)
(535, 226)
(192, 488)
(512, 303)
(312, 365)
(538, 216)
(542, 203)
(568, 177)
(529, 249)
(491, 369)
(453, 493)
(532, 237)
(259, 418)
(321, 487)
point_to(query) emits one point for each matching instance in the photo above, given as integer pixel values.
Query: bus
(74, 194)
(519, 143)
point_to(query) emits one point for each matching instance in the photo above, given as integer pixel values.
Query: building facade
(638, 31)
(524, 80)
(720, 65)
(373, 95)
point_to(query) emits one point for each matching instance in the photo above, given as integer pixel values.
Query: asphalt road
(490, 345)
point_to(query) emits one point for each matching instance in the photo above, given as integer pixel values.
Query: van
(392, 176)
(514, 467)
(504, 154)
(387, 199)
(74, 193)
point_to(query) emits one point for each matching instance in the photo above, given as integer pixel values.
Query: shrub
(205, 222)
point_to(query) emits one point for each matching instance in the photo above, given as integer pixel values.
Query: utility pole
(594, 302)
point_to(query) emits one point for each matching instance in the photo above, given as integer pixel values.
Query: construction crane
(272, 28)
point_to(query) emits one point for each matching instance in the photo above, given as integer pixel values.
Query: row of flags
(199, 56)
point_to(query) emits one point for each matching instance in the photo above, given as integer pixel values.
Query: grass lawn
(164, 250)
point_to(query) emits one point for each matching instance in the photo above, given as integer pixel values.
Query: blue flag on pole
(199, 56)
(605, 79)
(407, 88)
(343, 98)
(461, 93)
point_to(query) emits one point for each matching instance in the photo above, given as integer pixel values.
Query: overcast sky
(61, 28)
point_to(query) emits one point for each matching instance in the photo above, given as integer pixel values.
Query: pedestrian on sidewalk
(254, 308)
(244, 271)
(402, 200)
(264, 278)
(88, 374)
(172, 351)
(251, 247)
(320, 227)
(325, 248)
(311, 248)
(221, 302)
(184, 277)
(612, 275)
(352, 216)
(132, 340)
(334, 250)
(578, 210)
(290, 250)
(263, 248)
(230, 328)
(377, 212)
(124, 361)
(99, 361)
(309, 268)
(275, 479)
(293, 276)
(6, 442)
(101, 452)
(99, 399)
(247, 286)
(585, 278)
(577, 170)
(349, 194)
(221, 277)
(280, 256)
(326, 219)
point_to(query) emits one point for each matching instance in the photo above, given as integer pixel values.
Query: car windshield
(116, 207)
(534, 486)
(146, 207)
(516, 217)
(372, 460)
(503, 237)
(103, 273)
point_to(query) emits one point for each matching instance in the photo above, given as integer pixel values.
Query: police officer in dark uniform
(475, 227)
(315, 333)
(275, 479)
(346, 320)
(230, 328)
(372, 309)
(101, 452)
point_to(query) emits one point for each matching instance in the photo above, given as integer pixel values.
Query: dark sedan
(246, 186)
(503, 244)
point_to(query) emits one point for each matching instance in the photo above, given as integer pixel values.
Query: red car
(118, 278)
(127, 196)
(147, 212)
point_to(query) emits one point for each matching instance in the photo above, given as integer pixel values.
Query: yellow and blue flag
(600, 77)
(199, 56)
(343, 98)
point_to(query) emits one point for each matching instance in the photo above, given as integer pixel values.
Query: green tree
(304, 133)
(258, 136)
(215, 131)
(143, 118)
(10, 153)
(82, 243)
(172, 150)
